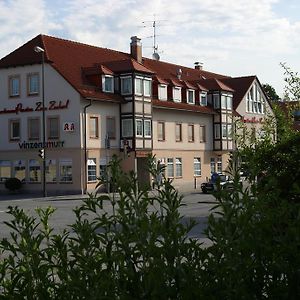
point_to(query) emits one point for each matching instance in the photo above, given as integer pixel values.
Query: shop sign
(252, 120)
(40, 145)
(69, 126)
(140, 153)
(52, 105)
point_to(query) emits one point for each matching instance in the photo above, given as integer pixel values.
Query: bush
(13, 184)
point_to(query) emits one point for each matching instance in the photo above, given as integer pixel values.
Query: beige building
(100, 102)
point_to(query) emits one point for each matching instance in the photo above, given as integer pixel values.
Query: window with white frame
(212, 165)
(203, 99)
(202, 133)
(197, 166)
(138, 84)
(147, 128)
(162, 92)
(147, 87)
(127, 128)
(219, 164)
(224, 130)
(177, 94)
(5, 170)
(217, 131)
(34, 170)
(14, 86)
(15, 131)
(178, 167)
(108, 83)
(65, 170)
(139, 127)
(229, 102)
(33, 83)
(190, 95)
(126, 85)
(223, 101)
(92, 169)
(51, 175)
(170, 167)
(20, 170)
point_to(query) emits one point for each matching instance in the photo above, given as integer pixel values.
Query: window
(147, 128)
(170, 167)
(14, 86)
(216, 101)
(197, 166)
(51, 170)
(224, 130)
(162, 92)
(223, 101)
(34, 171)
(161, 131)
(65, 170)
(108, 83)
(5, 170)
(94, 127)
(219, 164)
(53, 128)
(147, 87)
(14, 130)
(20, 170)
(178, 165)
(229, 131)
(191, 136)
(178, 132)
(138, 86)
(190, 95)
(33, 84)
(33, 128)
(229, 102)
(139, 128)
(217, 131)
(212, 165)
(203, 99)
(92, 169)
(111, 127)
(202, 133)
(126, 85)
(127, 128)
(177, 94)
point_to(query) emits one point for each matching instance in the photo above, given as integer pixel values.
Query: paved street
(64, 205)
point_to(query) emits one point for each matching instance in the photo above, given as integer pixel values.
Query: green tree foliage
(270, 92)
(292, 80)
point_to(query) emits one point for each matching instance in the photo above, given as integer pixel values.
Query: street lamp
(42, 51)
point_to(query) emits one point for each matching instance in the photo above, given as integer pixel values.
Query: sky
(230, 37)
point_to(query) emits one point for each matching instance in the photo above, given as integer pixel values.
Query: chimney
(136, 48)
(198, 65)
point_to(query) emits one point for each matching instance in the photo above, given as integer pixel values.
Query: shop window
(161, 131)
(34, 171)
(14, 130)
(33, 84)
(5, 170)
(20, 170)
(53, 128)
(65, 170)
(51, 175)
(92, 169)
(108, 83)
(14, 86)
(197, 166)
(126, 85)
(178, 165)
(94, 127)
(33, 128)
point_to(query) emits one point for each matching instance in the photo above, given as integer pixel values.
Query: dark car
(211, 185)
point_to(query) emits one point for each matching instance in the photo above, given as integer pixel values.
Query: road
(64, 214)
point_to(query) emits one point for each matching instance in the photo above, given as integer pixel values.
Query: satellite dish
(155, 56)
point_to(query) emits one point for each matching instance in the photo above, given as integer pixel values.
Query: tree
(270, 92)
(292, 87)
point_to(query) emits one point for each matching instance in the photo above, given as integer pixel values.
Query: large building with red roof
(100, 102)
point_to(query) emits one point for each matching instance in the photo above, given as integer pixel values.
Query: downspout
(84, 146)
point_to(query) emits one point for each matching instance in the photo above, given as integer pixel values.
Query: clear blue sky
(233, 37)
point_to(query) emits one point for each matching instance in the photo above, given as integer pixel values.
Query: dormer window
(162, 92)
(190, 96)
(177, 94)
(108, 83)
(203, 99)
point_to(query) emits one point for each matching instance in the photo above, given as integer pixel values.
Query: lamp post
(42, 51)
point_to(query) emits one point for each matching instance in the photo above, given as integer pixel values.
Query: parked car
(211, 185)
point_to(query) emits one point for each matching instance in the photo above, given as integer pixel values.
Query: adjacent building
(100, 102)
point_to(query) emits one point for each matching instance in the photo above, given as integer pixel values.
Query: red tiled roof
(182, 106)
(160, 80)
(214, 84)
